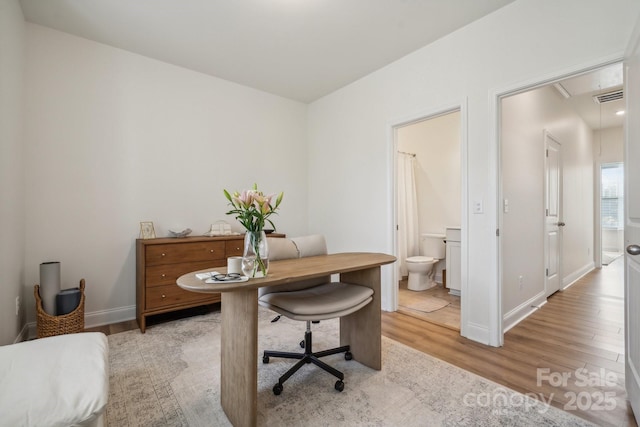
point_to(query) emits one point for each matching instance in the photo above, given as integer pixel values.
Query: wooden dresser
(159, 262)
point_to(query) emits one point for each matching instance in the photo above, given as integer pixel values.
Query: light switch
(477, 207)
(505, 205)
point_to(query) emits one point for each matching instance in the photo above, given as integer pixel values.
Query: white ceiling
(582, 89)
(299, 49)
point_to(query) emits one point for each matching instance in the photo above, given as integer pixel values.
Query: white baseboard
(107, 317)
(91, 320)
(23, 335)
(476, 332)
(522, 311)
(572, 278)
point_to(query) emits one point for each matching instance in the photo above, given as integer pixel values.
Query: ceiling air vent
(608, 97)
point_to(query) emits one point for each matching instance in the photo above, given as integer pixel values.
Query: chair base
(308, 357)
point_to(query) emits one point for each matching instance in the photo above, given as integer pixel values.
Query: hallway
(576, 338)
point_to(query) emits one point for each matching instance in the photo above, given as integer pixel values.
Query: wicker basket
(69, 323)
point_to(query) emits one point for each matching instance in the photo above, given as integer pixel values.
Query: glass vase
(255, 258)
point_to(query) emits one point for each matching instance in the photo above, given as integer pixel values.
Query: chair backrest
(281, 248)
(311, 245)
(296, 247)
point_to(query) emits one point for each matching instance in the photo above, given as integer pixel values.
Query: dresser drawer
(167, 274)
(193, 251)
(168, 295)
(234, 247)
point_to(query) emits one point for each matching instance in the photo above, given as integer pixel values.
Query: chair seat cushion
(321, 302)
(56, 381)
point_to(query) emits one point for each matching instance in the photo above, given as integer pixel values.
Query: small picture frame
(146, 230)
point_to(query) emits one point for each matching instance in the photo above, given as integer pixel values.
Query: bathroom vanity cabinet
(453, 260)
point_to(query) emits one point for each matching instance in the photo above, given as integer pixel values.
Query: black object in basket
(67, 300)
(70, 323)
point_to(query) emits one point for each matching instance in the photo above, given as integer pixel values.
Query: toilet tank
(433, 245)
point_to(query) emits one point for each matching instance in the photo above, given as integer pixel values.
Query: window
(612, 196)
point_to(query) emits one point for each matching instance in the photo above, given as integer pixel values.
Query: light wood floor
(581, 327)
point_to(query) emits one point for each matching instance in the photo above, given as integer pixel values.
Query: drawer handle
(164, 296)
(162, 254)
(211, 251)
(164, 275)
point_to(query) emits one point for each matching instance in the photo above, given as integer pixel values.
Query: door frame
(496, 314)
(392, 127)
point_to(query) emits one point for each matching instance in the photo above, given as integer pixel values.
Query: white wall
(524, 119)
(436, 144)
(12, 39)
(526, 40)
(608, 145)
(114, 138)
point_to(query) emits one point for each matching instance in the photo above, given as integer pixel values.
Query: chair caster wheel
(277, 389)
(348, 356)
(265, 359)
(339, 385)
(302, 344)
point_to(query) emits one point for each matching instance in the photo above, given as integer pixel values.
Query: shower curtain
(408, 239)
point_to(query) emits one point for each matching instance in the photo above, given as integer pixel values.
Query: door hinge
(497, 232)
(546, 152)
(546, 273)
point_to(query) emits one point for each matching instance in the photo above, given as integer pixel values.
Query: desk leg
(238, 353)
(361, 330)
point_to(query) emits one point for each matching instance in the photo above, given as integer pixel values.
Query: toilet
(421, 268)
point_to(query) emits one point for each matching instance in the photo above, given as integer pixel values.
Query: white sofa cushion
(55, 381)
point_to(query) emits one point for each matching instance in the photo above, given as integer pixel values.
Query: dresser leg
(142, 323)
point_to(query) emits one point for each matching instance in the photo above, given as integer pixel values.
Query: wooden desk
(239, 340)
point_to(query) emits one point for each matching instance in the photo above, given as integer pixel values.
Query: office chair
(310, 301)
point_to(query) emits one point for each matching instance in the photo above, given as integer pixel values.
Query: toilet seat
(418, 259)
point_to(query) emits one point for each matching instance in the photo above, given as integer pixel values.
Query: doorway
(428, 204)
(576, 111)
(611, 212)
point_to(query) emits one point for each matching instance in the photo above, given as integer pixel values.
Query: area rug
(170, 376)
(426, 303)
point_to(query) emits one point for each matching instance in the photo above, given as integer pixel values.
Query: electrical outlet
(521, 281)
(17, 305)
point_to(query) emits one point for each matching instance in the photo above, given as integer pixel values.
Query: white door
(553, 214)
(632, 225)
